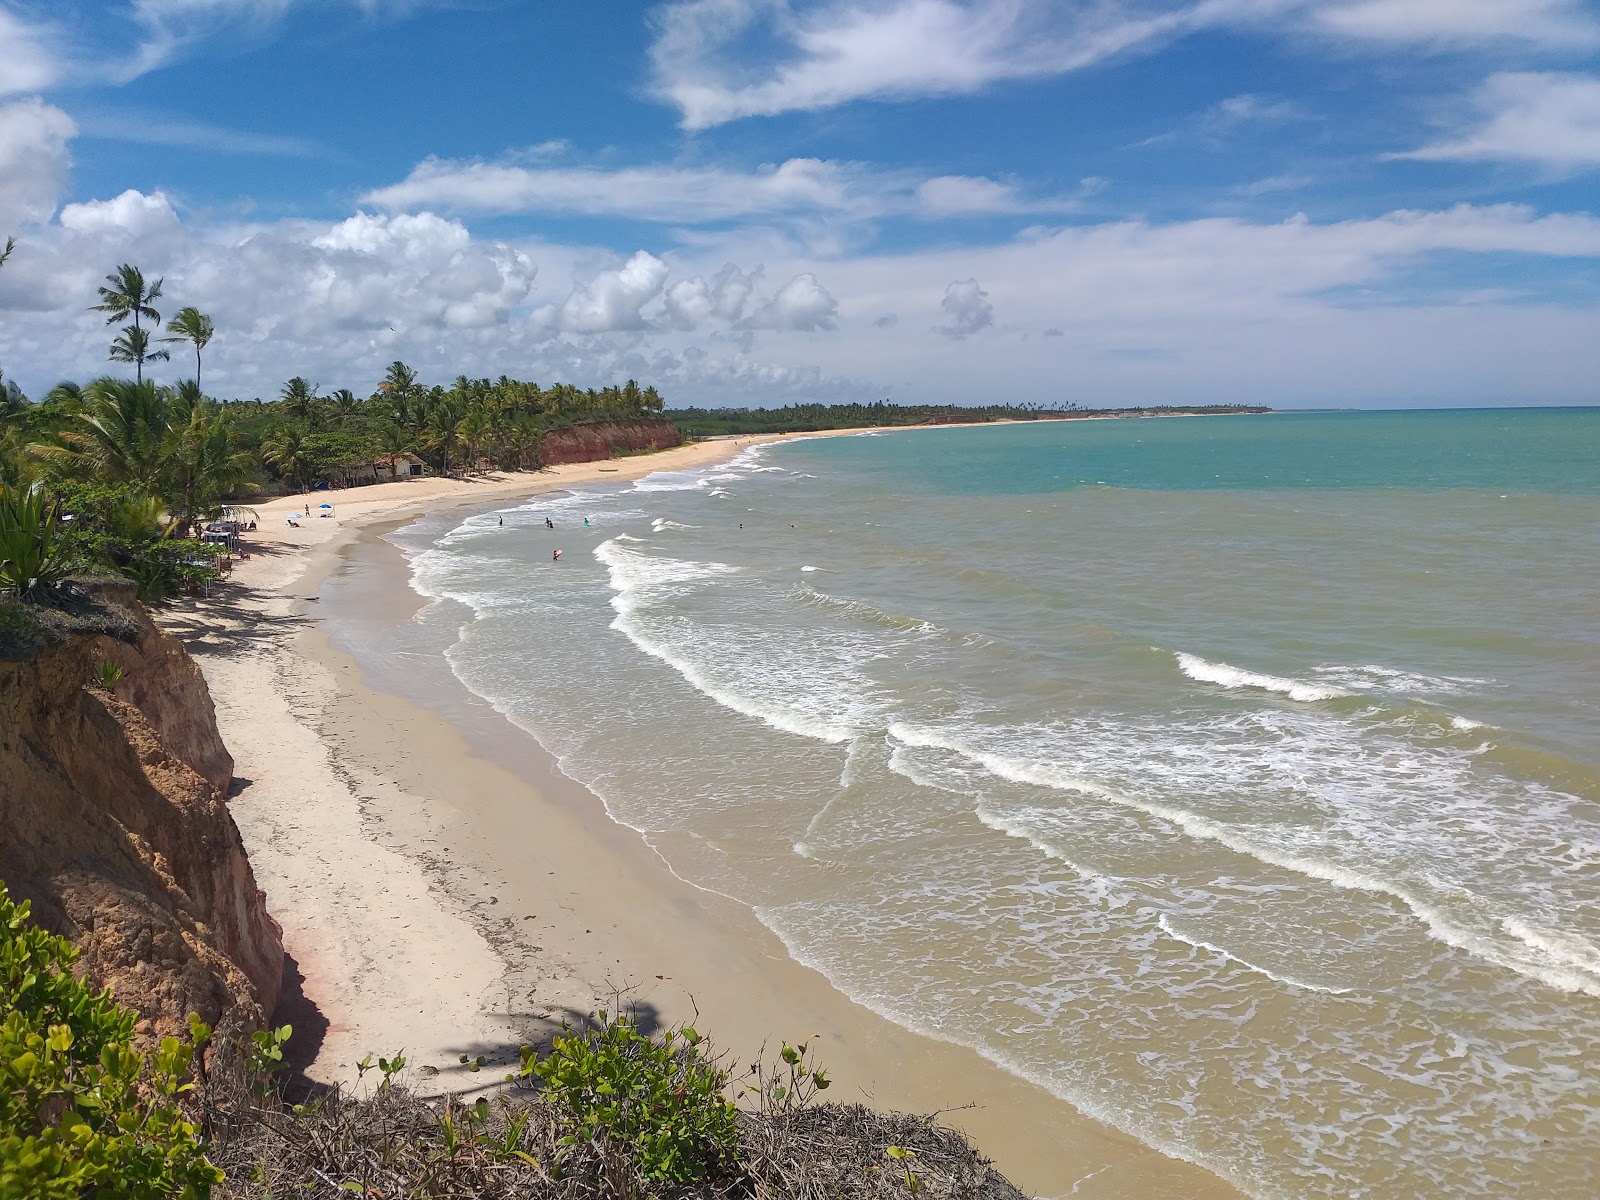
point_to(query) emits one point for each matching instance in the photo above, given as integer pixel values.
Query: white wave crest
(1232, 677)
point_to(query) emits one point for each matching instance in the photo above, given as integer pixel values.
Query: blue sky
(1293, 202)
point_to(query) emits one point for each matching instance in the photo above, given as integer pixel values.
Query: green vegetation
(82, 1113)
(610, 1110)
(116, 475)
(655, 1099)
(807, 418)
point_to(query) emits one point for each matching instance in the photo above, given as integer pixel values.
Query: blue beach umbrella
(324, 506)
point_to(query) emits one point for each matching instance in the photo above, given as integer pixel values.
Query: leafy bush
(31, 549)
(659, 1100)
(82, 1114)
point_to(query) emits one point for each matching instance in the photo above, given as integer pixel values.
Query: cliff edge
(113, 817)
(593, 441)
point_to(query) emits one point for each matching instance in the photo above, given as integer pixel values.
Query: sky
(1300, 203)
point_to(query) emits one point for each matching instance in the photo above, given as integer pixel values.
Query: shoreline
(445, 890)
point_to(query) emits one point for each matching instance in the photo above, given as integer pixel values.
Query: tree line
(119, 471)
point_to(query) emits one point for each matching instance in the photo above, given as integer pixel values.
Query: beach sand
(444, 890)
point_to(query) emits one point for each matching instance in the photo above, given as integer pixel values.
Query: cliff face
(113, 822)
(605, 439)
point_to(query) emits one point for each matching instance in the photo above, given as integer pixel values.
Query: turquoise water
(1237, 779)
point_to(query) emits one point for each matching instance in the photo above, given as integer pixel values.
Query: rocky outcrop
(114, 823)
(595, 440)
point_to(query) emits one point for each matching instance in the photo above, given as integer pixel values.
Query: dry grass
(395, 1145)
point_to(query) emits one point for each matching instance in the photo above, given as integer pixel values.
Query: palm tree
(299, 399)
(191, 325)
(128, 296)
(11, 244)
(133, 345)
(202, 469)
(122, 432)
(286, 450)
(399, 380)
(345, 403)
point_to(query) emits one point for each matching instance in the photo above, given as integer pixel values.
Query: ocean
(1237, 779)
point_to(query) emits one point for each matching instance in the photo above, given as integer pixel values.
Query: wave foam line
(1563, 973)
(1232, 677)
(631, 573)
(1201, 944)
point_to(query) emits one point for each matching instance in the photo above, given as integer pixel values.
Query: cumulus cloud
(966, 309)
(1547, 118)
(612, 300)
(700, 195)
(693, 302)
(132, 214)
(801, 304)
(33, 160)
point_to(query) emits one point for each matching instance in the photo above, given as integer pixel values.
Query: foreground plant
(658, 1100)
(83, 1114)
(31, 550)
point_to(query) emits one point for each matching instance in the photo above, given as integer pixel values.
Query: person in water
(586, 522)
(549, 524)
(556, 557)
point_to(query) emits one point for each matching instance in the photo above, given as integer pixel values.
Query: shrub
(82, 1114)
(31, 549)
(657, 1099)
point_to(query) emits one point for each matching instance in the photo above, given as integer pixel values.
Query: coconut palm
(285, 449)
(122, 433)
(399, 380)
(191, 325)
(11, 244)
(133, 345)
(128, 296)
(299, 399)
(344, 403)
(202, 468)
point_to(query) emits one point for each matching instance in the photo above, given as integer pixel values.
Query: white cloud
(694, 302)
(131, 214)
(701, 195)
(27, 61)
(173, 26)
(1556, 23)
(824, 54)
(613, 299)
(1545, 118)
(801, 304)
(1285, 312)
(840, 52)
(966, 309)
(33, 161)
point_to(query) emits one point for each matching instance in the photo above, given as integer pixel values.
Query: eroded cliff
(595, 440)
(114, 821)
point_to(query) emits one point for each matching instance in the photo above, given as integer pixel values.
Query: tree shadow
(501, 1058)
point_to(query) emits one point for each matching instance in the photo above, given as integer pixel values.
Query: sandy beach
(444, 890)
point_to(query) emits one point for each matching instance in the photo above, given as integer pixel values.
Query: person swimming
(556, 557)
(586, 522)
